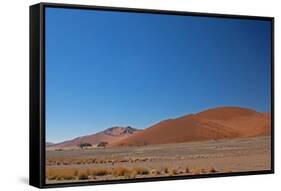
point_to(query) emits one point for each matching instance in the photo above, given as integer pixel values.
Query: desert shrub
(84, 145)
(84, 161)
(124, 160)
(78, 162)
(102, 144)
(144, 159)
(58, 163)
(100, 161)
(93, 160)
(66, 162)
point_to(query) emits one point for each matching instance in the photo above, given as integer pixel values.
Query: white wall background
(14, 91)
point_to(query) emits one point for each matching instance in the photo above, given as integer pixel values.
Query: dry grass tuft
(90, 173)
(227, 170)
(120, 171)
(212, 170)
(154, 172)
(100, 172)
(166, 170)
(196, 171)
(83, 175)
(187, 170)
(58, 173)
(203, 171)
(133, 174)
(61, 174)
(140, 171)
(172, 172)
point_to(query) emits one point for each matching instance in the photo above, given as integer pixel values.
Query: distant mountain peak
(49, 144)
(109, 135)
(117, 130)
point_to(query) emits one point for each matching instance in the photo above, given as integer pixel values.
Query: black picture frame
(37, 93)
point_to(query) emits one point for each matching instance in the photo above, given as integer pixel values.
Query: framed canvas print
(127, 95)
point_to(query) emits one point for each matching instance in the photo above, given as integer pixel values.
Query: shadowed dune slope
(212, 124)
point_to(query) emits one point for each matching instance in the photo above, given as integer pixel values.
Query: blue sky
(107, 69)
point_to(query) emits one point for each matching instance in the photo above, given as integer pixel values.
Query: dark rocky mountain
(109, 136)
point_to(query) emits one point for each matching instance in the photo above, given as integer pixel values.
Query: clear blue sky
(107, 69)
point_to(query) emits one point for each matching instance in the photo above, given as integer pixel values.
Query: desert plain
(219, 140)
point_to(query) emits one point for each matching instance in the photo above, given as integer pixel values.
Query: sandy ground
(236, 155)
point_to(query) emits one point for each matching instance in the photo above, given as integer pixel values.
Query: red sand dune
(212, 124)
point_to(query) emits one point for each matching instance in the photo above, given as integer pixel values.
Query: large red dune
(212, 124)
